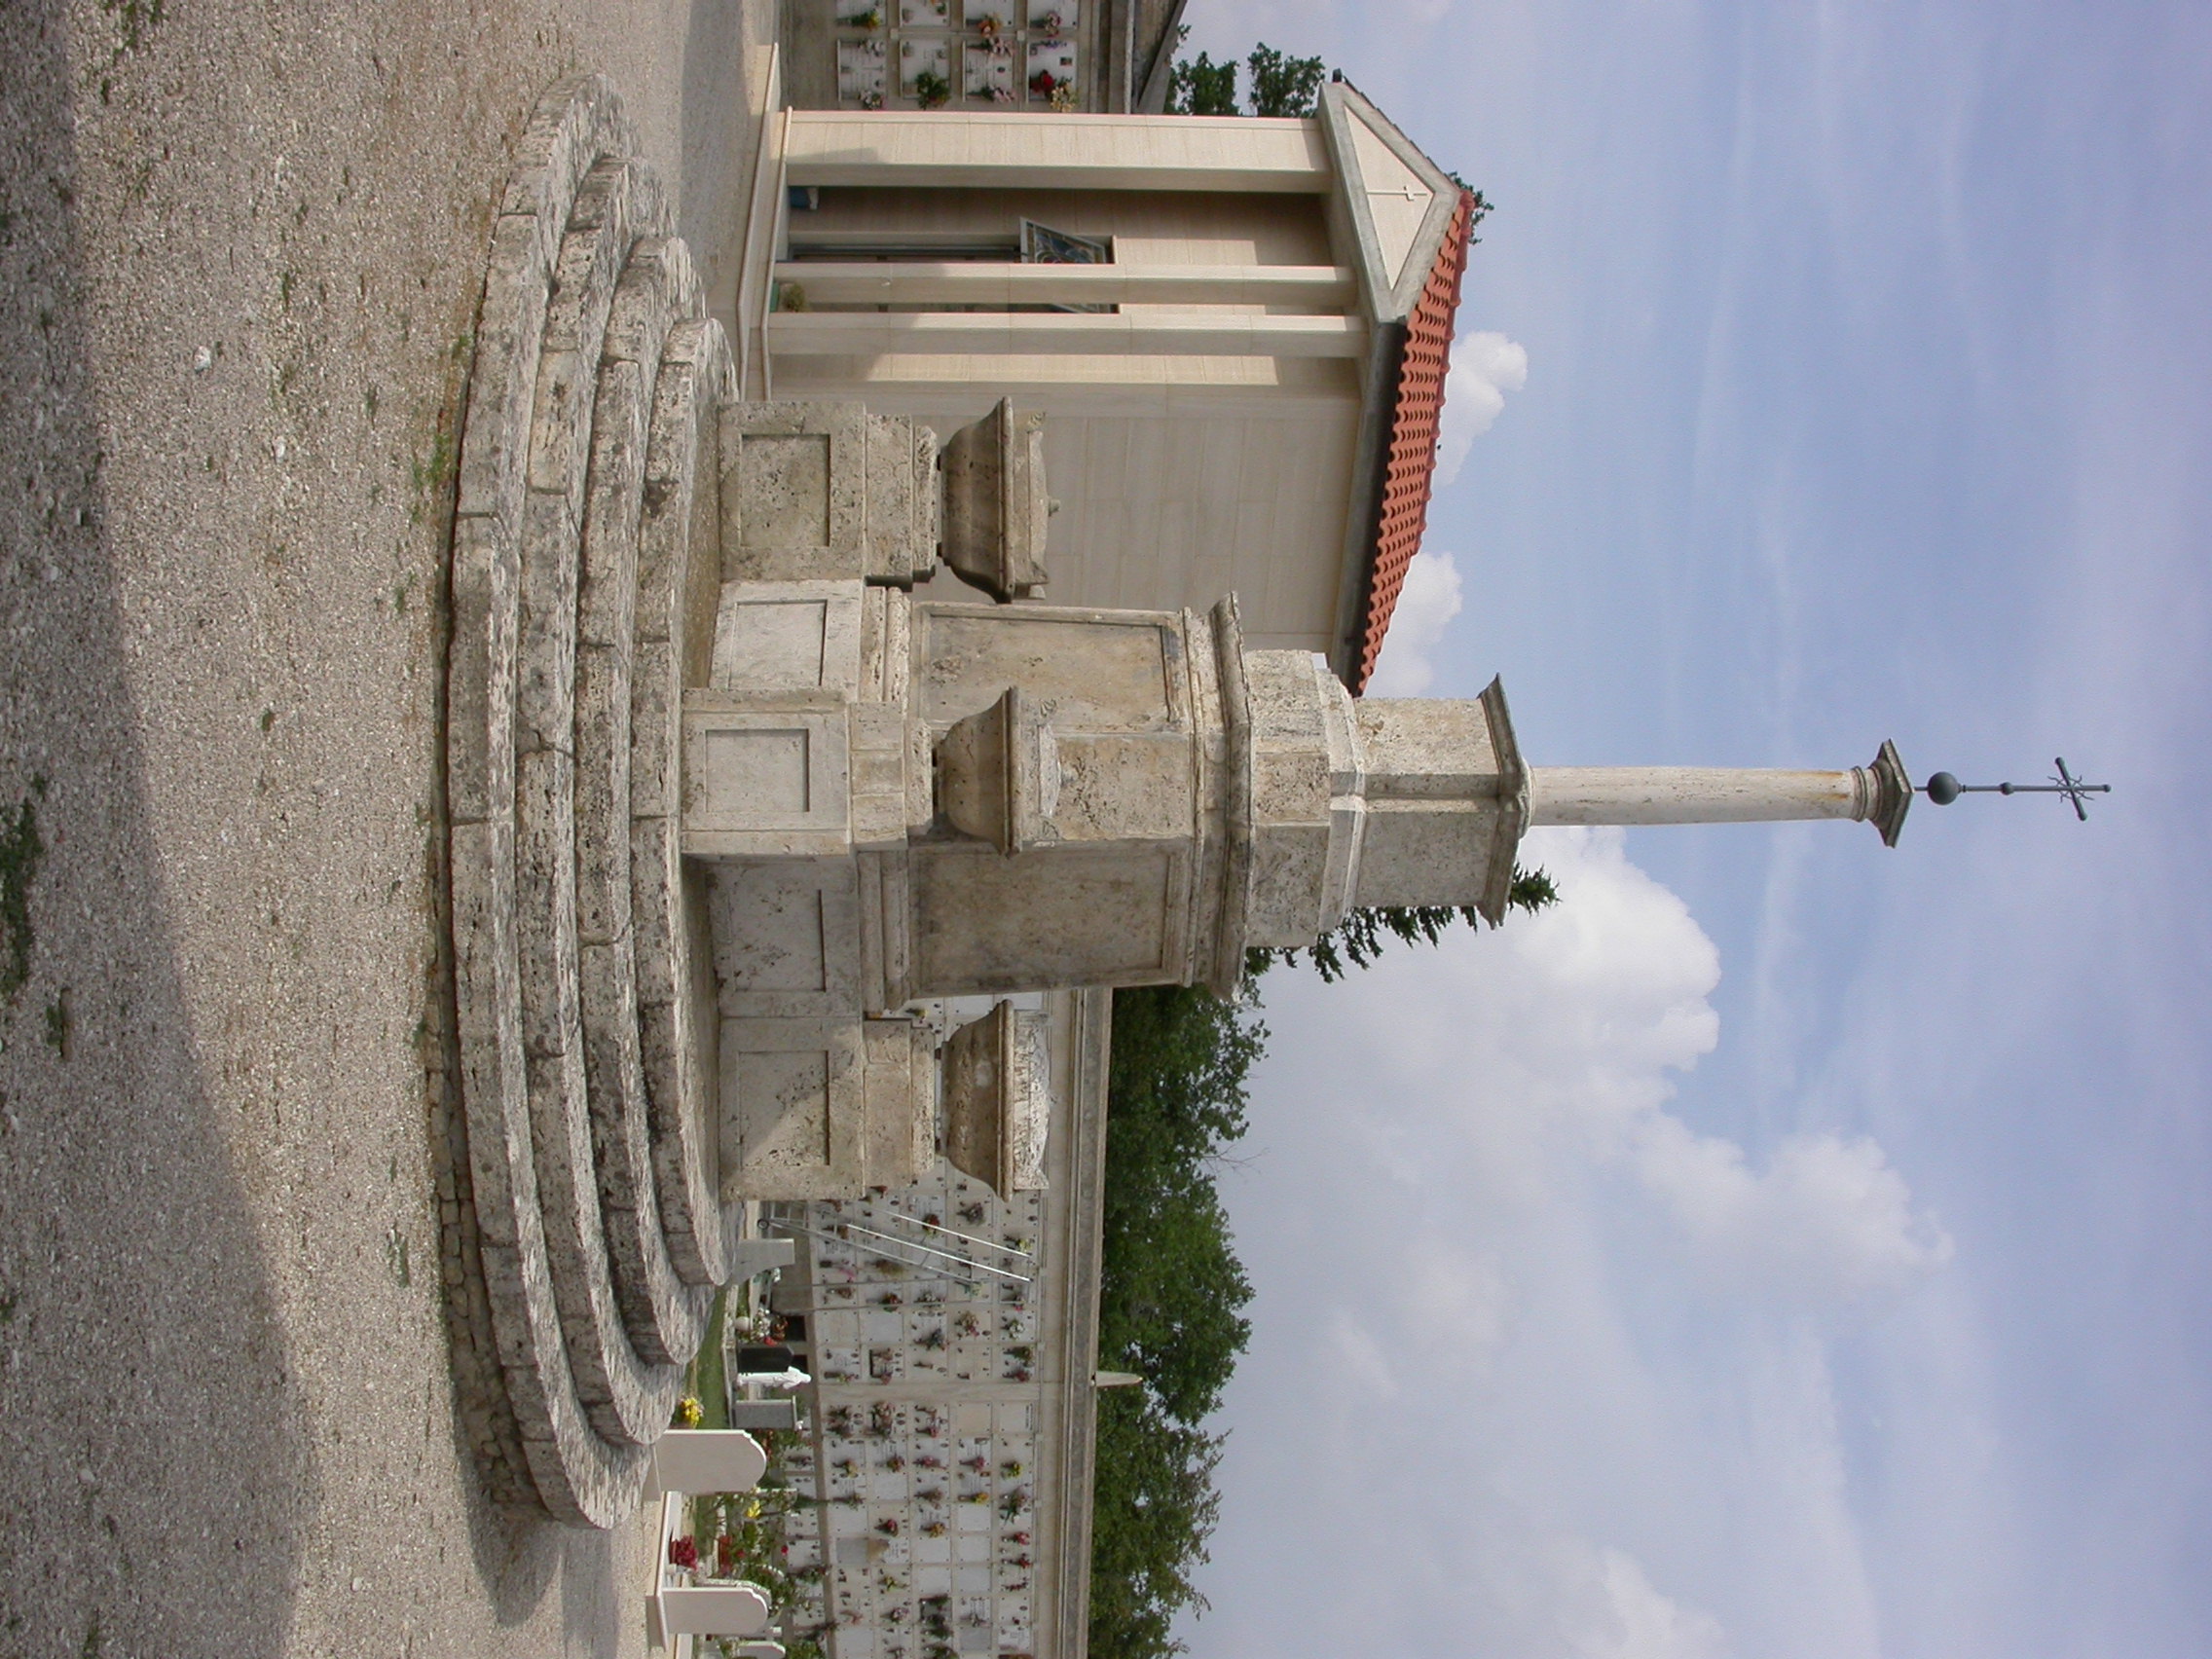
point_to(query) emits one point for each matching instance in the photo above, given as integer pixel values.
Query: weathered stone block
(886, 645)
(1096, 671)
(678, 1046)
(657, 288)
(770, 636)
(792, 1108)
(664, 1318)
(765, 780)
(1289, 870)
(656, 721)
(996, 510)
(998, 774)
(480, 747)
(679, 562)
(545, 658)
(1123, 786)
(794, 492)
(885, 906)
(590, 261)
(575, 124)
(545, 898)
(1426, 749)
(608, 603)
(901, 520)
(1411, 850)
(627, 1402)
(1066, 915)
(503, 373)
(901, 1099)
(602, 793)
(882, 742)
(657, 881)
(786, 938)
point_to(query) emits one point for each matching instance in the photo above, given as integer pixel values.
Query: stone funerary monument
(733, 811)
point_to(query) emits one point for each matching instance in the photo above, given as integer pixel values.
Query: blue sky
(1789, 1246)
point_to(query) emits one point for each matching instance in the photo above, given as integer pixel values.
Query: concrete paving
(241, 244)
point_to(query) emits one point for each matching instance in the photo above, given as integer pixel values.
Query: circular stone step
(664, 1315)
(627, 1400)
(593, 1233)
(679, 580)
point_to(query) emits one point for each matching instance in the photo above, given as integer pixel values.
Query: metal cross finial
(1942, 788)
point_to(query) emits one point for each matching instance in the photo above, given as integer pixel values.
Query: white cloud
(1484, 367)
(1827, 1220)
(1427, 604)
(1454, 1303)
(1360, 1357)
(1611, 998)
(1609, 1609)
(1558, 1356)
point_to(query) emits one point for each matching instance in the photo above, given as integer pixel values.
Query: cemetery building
(1237, 328)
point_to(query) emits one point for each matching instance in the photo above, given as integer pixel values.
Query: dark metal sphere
(1942, 788)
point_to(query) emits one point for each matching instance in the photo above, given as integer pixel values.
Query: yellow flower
(689, 1413)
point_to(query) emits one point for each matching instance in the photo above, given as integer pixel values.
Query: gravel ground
(240, 248)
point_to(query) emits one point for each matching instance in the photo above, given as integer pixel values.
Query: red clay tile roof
(1402, 512)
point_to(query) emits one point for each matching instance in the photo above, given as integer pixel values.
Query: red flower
(683, 1551)
(1041, 82)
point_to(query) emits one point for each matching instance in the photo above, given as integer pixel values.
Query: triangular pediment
(1398, 198)
(1397, 203)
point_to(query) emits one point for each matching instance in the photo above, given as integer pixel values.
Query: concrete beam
(863, 334)
(944, 149)
(984, 282)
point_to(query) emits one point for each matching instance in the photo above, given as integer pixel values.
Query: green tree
(1155, 1507)
(1173, 1289)
(1358, 940)
(1280, 85)
(1284, 86)
(1173, 1303)
(1170, 1306)
(1202, 86)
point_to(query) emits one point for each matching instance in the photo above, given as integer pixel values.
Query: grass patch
(707, 1382)
(704, 1381)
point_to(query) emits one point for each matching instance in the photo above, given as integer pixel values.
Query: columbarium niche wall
(929, 1456)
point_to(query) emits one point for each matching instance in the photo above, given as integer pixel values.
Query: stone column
(1720, 795)
(1692, 794)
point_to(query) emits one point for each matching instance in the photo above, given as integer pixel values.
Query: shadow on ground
(152, 1469)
